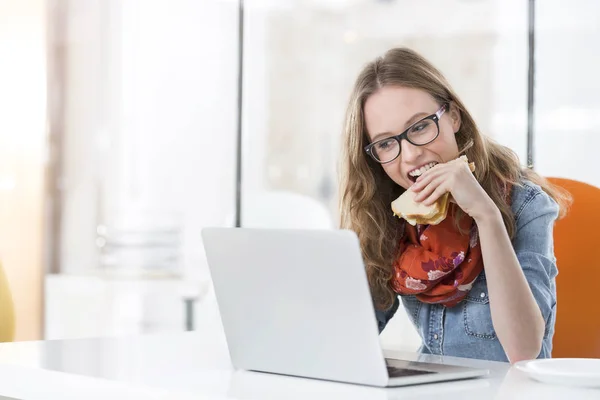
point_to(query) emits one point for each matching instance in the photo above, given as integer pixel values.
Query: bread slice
(417, 213)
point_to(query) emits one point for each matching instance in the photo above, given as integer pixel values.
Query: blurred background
(119, 127)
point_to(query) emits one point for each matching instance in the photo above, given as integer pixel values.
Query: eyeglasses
(420, 133)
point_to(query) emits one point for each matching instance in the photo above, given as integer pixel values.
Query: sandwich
(414, 213)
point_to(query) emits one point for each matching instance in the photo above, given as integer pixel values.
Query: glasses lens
(386, 150)
(423, 132)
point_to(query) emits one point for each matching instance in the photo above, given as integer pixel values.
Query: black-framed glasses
(420, 133)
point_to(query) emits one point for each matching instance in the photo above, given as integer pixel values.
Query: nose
(410, 153)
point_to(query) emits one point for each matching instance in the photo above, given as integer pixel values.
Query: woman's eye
(420, 126)
(386, 144)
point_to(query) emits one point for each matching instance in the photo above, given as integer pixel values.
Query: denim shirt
(466, 329)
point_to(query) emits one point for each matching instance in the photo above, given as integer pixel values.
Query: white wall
(567, 86)
(152, 119)
(89, 120)
(509, 65)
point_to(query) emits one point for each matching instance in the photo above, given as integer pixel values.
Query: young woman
(480, 284)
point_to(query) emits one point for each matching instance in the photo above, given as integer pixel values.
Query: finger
(437, 193)
(434, 171)
(426, 179)
(428, 190)
(420, 186)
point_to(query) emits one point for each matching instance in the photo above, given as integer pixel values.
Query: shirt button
(435, 336)
(482, 295)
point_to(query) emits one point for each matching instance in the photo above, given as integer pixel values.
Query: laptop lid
(296, 302)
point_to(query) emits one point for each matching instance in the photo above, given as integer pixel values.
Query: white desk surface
(196, 365)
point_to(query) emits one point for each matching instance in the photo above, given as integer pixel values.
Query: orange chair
(577, 247)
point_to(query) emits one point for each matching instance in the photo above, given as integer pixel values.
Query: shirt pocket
(476, 312)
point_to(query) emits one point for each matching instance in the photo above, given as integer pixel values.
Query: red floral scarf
(437, 263)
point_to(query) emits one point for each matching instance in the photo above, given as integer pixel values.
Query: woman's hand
(454, 177)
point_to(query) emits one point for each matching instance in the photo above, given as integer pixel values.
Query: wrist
(490, 214)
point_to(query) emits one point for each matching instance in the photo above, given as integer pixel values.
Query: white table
(196, 365)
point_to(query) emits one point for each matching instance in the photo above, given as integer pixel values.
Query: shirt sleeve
(534, 247)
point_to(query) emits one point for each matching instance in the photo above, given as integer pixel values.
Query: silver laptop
(297, 302)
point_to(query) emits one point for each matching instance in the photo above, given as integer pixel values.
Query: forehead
(391, 108)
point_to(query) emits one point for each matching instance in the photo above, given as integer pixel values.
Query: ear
(455, 117)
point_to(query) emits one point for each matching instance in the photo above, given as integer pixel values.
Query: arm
(519, 275)
(519, 278)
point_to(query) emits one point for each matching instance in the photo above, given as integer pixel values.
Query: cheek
(447, 142)
(447, 131)
(393, 172)
(389, 170)
(444, 148)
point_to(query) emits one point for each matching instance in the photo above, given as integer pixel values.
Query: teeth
(420, 171)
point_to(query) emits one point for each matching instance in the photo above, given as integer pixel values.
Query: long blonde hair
(366, 191)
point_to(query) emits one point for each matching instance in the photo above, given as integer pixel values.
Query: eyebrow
(407, 124)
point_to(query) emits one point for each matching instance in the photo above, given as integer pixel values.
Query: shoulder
(529, 201)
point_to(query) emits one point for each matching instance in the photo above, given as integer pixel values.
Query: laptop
(297, 302)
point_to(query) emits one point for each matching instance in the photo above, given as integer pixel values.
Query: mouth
(417, 172)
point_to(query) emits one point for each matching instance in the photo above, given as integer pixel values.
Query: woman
(480, 284)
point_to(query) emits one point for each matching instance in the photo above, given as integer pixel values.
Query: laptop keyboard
(394, 372)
